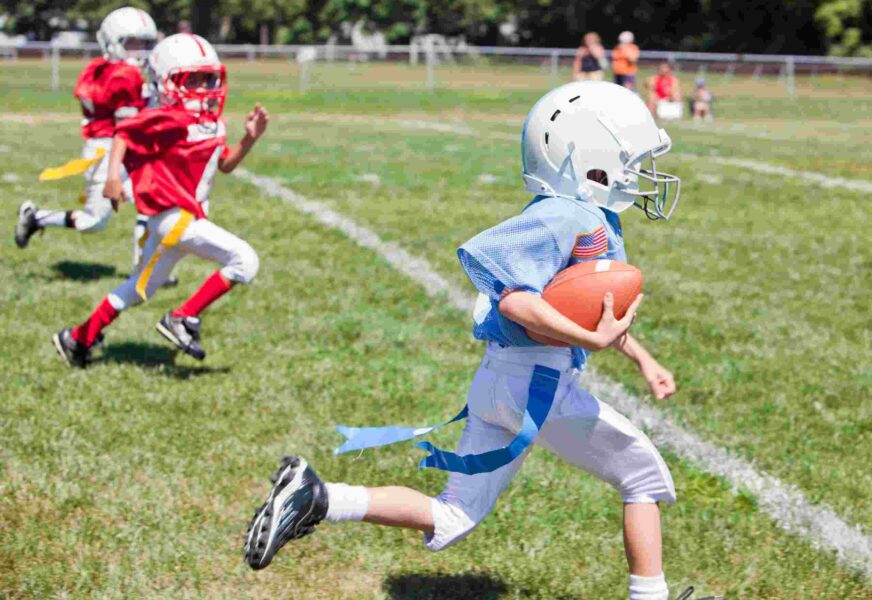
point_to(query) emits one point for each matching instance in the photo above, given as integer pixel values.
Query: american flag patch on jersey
(590, 244)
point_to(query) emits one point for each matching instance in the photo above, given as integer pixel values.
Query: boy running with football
(588, 153)
(110, 89)
(171, 154)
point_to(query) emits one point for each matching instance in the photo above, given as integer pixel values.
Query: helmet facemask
(135, 49)
(654, 192)
(198, 90)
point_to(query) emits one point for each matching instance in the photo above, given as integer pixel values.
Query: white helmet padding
(597, 141)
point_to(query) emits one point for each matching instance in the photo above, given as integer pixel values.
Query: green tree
(847, 25)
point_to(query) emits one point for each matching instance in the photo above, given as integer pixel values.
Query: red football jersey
(104, 87)
(171, 158)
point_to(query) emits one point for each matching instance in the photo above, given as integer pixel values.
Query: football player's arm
(659, 379)
(535, 314)
(114, 188)
(255, 126)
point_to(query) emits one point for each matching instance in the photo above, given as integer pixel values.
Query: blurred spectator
(589, 58)
(702, 101)
(663, 87)
(625, 60)
(184, 26)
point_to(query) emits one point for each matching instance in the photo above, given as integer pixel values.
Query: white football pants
(201, 238)
(95, 214)
(580, 429)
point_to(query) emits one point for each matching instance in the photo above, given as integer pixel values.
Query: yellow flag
(74, 167)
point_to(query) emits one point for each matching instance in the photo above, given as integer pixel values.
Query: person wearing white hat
(625, 60)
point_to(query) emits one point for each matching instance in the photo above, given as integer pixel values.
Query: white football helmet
(122, 25)
(185, 70)
(597, 141)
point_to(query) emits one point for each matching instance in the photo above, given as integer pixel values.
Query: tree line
(839, 27)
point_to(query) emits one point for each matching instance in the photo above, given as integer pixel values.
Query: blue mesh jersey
(527, 251)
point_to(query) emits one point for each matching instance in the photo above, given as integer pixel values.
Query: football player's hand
(114, 191)
(256, 121)
(610, 329)
(660, 380)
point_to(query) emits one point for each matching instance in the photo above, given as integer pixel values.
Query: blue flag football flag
(543, 387)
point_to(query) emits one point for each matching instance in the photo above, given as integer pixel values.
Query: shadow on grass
(161, 359)
(84, 271)
(444, 587)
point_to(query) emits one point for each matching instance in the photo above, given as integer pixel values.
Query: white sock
(648, 588)
(51, 218)
(346, 502)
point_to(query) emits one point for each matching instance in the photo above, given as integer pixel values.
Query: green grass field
(137, 477)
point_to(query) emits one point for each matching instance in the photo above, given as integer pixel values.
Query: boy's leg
(74, 343)
(238, 259)
(594, 437)
(239, 263)
(445, 520)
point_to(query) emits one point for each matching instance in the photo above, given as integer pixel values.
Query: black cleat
(686, 594)
(74, 353)
(296, 503)
(184, 332)
(27, 224)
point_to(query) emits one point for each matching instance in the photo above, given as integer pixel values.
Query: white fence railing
(786, 66)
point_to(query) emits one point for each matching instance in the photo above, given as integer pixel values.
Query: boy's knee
(91, 223)
(451, 523)
(244, 266)
(124, 297)
(650, 486)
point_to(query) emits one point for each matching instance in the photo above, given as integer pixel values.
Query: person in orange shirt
(625, 60)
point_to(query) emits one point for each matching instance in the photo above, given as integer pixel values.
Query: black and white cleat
(296, 503)
(184, 332)
(74, 354)
(27, 224)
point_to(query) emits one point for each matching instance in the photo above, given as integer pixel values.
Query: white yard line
(784, 503)
(827, 181)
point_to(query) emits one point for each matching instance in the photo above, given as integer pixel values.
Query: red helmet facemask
(199, 90)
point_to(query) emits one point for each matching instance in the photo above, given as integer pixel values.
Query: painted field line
(827, 181)
(784, 503)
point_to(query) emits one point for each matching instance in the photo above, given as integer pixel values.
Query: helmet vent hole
(598, 176)
(554, 116)
(546, 138)
(572, 100)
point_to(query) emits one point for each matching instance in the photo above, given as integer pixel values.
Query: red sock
(87, 332)
(212, 289)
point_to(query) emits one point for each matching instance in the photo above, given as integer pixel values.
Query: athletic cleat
(26, 225)
(73, 352)
(686, 594)
(184, 332)
(296, 503)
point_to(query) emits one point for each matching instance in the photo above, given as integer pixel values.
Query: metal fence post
(555, 63)
(430, 74)
(55, 68)
(790, 68)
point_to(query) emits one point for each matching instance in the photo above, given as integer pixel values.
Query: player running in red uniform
(171, 154)
(110, 90)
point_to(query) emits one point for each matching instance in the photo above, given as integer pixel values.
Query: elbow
(225, 168)
(512, 304)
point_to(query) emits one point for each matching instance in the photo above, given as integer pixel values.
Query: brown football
(577, 292)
